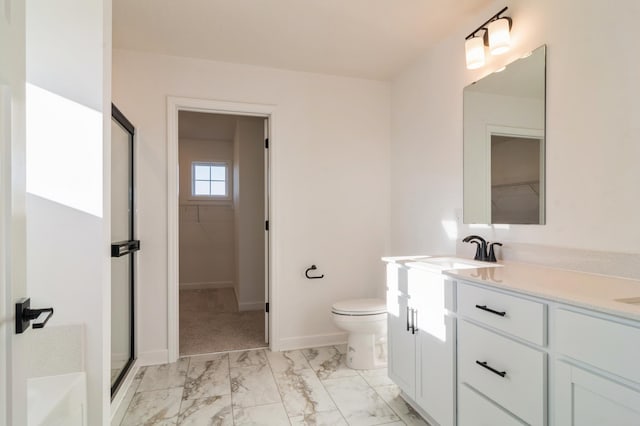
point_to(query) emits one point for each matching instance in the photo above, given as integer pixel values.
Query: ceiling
(372, 39)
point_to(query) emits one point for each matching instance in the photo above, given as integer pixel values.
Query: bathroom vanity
(513, 344)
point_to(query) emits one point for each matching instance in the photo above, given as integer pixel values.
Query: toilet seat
(359, 307)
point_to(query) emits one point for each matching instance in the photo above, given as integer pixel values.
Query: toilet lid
(360, 307)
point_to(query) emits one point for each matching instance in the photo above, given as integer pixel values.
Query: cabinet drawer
(522, 390)
(605, 344)
(520, 317)
(476, 410)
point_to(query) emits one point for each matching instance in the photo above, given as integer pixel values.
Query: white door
(435, 345)
(400, 336)
(13, 383)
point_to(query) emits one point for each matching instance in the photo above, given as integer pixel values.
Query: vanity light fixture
(496, 35)
(474, 50)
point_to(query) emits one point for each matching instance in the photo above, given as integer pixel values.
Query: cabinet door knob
(484, 308)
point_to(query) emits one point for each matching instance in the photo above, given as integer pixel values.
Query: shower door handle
(124, 247)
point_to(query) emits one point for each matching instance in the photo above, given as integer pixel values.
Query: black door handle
(24, 315)
(484, 308)
(32, 314)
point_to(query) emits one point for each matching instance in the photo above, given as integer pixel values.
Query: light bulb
(474, 50)
(499, 37)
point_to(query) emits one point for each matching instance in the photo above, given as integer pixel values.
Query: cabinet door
(587, 399)
(435, 345)
(400, 341)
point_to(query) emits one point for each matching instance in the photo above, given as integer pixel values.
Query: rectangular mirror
(504, 144)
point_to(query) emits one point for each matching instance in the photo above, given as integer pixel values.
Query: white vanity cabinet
(506, 341)
(597, 375)
(421, 339)
(514, 345)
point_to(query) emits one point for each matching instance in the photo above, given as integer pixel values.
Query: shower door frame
(120, 118)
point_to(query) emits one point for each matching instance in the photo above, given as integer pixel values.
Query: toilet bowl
(366, 322)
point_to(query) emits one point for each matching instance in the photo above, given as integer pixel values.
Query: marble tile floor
(259, 387)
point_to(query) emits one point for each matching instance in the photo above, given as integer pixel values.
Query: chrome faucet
(481, 248)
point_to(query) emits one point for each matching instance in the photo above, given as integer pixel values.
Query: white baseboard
(251, 306)
(153, 358)
(302, 342)
(206, 285)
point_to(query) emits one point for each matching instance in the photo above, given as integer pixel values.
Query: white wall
(206, 239)
(249, 209)
(68, 170)
(330, 184)
(593, 119)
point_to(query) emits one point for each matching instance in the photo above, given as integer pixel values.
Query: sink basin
(630, 300)
(445, 263)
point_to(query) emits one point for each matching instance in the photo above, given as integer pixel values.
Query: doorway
(222, 236)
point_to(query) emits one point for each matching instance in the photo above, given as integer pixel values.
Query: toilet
(366, 322)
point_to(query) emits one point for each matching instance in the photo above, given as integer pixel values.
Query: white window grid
(207, 183)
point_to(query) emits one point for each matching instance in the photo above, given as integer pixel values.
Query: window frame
(227, 184)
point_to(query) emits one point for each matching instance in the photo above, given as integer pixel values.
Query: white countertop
(591, 291)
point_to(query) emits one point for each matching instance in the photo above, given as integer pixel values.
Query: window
(210, 180)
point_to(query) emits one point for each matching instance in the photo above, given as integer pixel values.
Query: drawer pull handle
(484, 308)
(493, 370)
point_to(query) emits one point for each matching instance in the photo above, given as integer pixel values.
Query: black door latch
(24, 315)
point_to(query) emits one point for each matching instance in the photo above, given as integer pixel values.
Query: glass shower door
(123, 248)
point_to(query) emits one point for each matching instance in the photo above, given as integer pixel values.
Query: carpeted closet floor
(210, 322)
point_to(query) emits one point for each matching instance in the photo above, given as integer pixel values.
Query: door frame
(6, 296)
(519, 132)
(174, 106)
